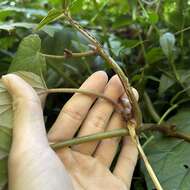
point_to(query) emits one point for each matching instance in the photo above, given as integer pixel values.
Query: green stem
(143, 8)
(183, 30)
(178, 94)
(165, 129)
(152, 26)
(90, 138)
(149, 32)
(89, 70)
(136, 110)
(167, 112)
(151, 108)
(69, 54)
(171, 62)
(148, 141)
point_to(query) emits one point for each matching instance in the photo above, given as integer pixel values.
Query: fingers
(107, 148)
(126, 162)
(76, 109)
(28, 124)
(99, 115)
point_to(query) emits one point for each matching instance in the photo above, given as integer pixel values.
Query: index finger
(75, 110)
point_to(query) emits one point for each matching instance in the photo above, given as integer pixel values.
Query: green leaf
(169, 157)
(76, 6)
(6, 119)
(100, 10)
(132, 43)
(12, 26)
(165, 83)
(154, 55)
(5, 138)
(53, 14)
(133, 7)
(185, 78)
(28, 57)
(115, 46)
(121, 21)
(5, 99)
(6, 11)
(3, 173)
(153, 17)
(49, 29)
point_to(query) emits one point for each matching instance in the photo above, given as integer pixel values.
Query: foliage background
(130, 31)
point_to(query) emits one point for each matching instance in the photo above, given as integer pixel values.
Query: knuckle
(128, 159)
(73, 113)
(26, 102)
(98, 121)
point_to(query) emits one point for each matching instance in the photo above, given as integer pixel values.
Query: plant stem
(114, 65)
(148, 141)
(165, 129)
(89, 138)
(178, 94)
(132, 124)
(149, 168)
(151, 108)
(149, 32)
(152, 26)
(143, 9)
(82, 91)
(167, 112)
(69, 54)
(173, 67)
(183, 30)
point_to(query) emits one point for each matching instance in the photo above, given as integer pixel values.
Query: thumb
(28, 124)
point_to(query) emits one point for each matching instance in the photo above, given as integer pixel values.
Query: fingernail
(4, 79)
(7, 80)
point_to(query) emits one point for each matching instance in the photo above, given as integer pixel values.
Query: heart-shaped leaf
(28, 56)
(169, 157)
(6, 120)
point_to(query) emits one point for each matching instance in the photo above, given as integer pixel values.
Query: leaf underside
(6, 120)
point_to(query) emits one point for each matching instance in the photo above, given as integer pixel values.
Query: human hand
(88, 164)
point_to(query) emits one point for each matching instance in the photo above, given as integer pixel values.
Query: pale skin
(33, 165)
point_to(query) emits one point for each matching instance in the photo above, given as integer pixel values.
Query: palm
(89, 173)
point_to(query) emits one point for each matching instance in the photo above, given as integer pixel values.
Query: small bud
(126, 103)
(167, 43)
